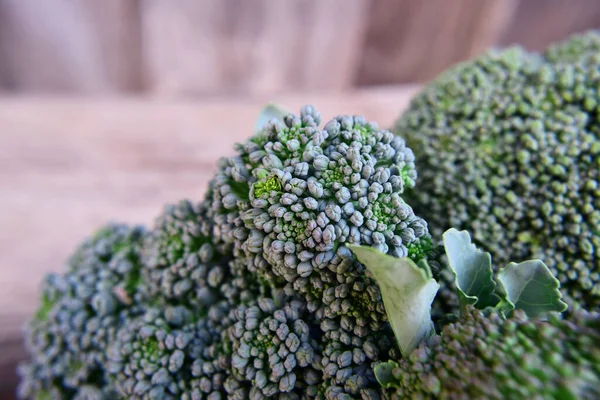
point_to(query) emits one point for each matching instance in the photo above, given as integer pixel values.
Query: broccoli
(508, 342)
(183, 265)
(249, 293)
(260, 289)
(289, 201)
(507, 146)
(274, 350)
(155, 357)
(583, 47)
(79, 315)
(489, 357)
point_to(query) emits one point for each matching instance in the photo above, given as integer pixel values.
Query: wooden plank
(69, 165)
(409, 41)
(257, 46)
(538, 23)
(70, 46)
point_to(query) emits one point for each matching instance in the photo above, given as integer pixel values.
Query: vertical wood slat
(538, 23)
(257, 46)
(214, 47)
(69, 46)
(411, 41)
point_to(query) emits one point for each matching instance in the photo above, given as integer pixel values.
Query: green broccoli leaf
(407, 290)
(269, 112)
(384, 372)
(472, 269)
(531, 287)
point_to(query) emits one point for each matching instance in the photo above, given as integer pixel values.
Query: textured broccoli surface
(250, 293)
(255, 293)
(583, 47)
(157, 357)
(289, 201)
(183, 265)
(273, 349)
(489, 357)
(508, 147)
(79, 315)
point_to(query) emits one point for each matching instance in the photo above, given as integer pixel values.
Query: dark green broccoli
(508, 147)
(255, 293)
(79, 315)
(294, 195)
(489, 357)
(508, 343)
(166, 355)
(274, 350)
(182, 262)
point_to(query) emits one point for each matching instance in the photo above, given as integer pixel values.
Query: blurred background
(111, 108)
(183, 48)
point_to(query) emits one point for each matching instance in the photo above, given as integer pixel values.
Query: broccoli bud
(296, 194)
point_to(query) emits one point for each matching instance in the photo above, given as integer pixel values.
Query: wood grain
(69, 165)
(69, 46)
(538, 23)
(410, 41)
(257, 46)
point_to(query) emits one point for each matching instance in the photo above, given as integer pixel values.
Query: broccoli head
(291, 199)
(79, 315)
(485, 356)
(296, 193)
(508, 147)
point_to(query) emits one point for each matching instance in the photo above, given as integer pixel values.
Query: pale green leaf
(269, 112)
(472, 269)
(407, 291)
(384, 373)
(531, 287)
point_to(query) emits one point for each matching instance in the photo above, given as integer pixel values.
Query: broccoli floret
(79, 315)
(489, 357)
(310, 190)
(583, 47)
(159, 356)
(296, 193)
(347, 361)
(183, 264)
(274, 350)
(507, 146)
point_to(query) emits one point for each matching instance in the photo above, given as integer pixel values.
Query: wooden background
(221, 47)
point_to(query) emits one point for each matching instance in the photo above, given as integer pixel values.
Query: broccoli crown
(251, 293)
(295, 194)
(508, 147)
(489, 357)
(79, 315)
